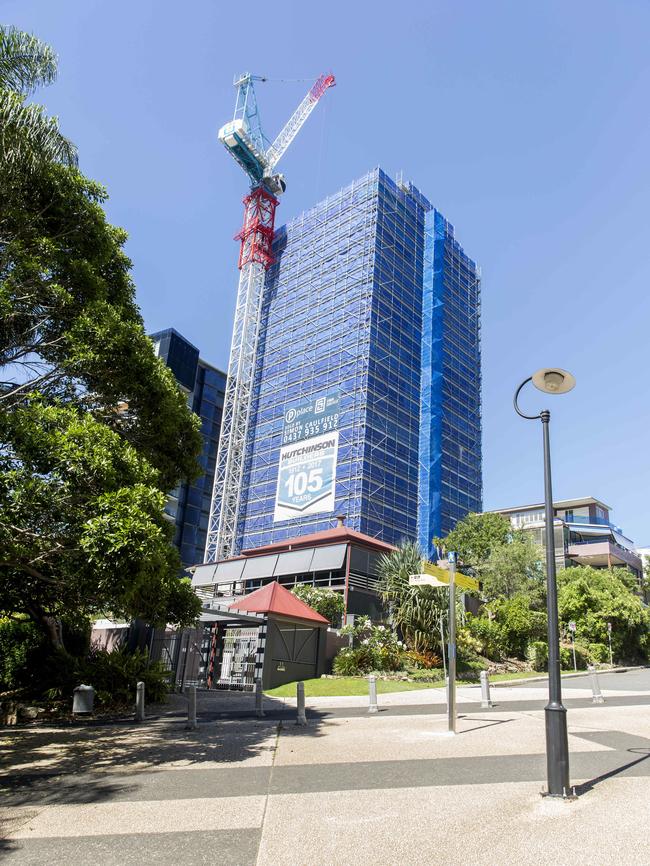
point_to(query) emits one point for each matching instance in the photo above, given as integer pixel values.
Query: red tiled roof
(326, 536)
(274, 598)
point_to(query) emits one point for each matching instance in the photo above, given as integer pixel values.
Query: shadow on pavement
(95, 763)
(484, 723)
(621, 742)
(585, 787)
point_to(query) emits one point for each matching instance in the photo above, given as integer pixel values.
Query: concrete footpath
(349, 788)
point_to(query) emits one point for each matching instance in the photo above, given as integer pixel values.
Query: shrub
(593, 597)
(467, 646)
(470, 669)
(114, 676)
(490, 635)
(27, 661)
(351, 662)
(566, 657)
(520, 624)
(538, 655)
(426, 659)
(21, 647)
(375, 647)
(326, 602)
(428, 675)
(598, 653)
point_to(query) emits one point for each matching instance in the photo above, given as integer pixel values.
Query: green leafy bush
(427, 675)
(28, 661)
(374, 648)
(326, 602)
(21, 646)
(538, 655)
(520, 622)
(114, 676)
(582, 657)
(598, 653)
(490, 634)
(593, 597)
(351, 662)
(467, 646)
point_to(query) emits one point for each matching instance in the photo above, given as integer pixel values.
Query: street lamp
(552, 381)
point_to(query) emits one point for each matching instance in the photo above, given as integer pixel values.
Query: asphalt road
(632, 681)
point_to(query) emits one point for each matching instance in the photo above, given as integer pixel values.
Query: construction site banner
(307, 467)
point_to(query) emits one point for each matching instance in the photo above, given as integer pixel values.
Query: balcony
(590, 521)
(602, 554)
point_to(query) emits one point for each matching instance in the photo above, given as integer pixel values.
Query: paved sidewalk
(383, 790)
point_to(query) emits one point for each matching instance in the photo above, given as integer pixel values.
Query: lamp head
(552, 380)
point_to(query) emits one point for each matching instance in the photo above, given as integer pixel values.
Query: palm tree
(416, 610)
(27, 136)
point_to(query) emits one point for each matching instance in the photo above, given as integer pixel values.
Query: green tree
(593, 597)
(416, 610)
(521, 622)
(69, 325)
(326, 602)
(476, 536)
(94, 429)
(28, 137)
(514, 568)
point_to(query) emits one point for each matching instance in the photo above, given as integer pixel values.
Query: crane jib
(245, 141)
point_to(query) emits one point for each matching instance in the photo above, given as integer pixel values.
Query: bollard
(596, 694)
(372, 693)
(301, 718)
(139, 702)
(192, 724)
(259, 695)
(485, 690)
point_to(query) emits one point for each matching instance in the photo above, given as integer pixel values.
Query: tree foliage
(94, 429)
(69, 325)
(593, 597)
(326, 602)
(476, 536)
(514, 568)
(27, 136)
(416, 610)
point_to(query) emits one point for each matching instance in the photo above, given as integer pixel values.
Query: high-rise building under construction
(367, 387)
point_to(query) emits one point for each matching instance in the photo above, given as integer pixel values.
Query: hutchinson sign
(307, 468)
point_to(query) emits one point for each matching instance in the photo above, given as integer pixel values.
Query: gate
(238, 659)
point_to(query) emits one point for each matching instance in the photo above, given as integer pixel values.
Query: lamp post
(552, 381)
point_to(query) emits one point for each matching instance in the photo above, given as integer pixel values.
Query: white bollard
(301, 718)
(192, 724)
(485, 690)
(596, 694)
(372, 694)
(139, 702)
(259, 696)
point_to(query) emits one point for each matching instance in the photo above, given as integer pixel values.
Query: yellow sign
(441, 577)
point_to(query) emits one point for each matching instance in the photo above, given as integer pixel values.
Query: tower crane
(244, 139)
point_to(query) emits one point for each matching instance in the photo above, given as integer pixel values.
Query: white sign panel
(306, 477)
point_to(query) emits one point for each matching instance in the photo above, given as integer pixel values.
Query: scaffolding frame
(343, 307)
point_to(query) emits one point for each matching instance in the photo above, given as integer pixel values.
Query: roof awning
(306, 560)
(223, 615)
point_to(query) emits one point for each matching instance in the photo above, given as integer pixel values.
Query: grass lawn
(319, 688)
(522, 675)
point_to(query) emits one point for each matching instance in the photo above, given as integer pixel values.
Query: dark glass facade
(371, 296)
(189, 504)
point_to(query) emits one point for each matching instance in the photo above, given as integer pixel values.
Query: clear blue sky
(525, 123)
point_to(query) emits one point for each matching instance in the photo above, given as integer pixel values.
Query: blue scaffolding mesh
(349, 305)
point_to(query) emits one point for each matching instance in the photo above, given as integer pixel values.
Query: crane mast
(244, 139)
